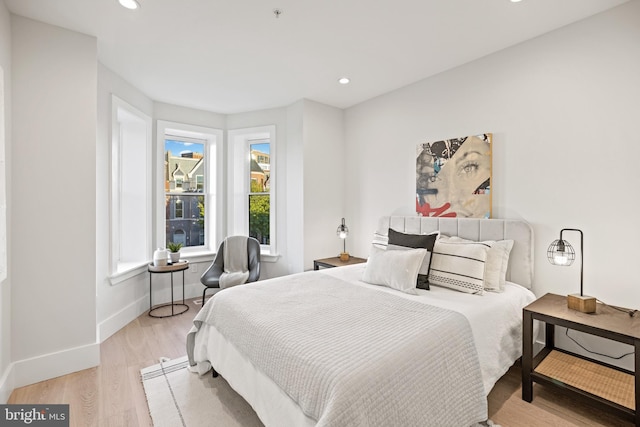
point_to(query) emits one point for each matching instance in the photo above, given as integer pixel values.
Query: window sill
(127, 272)
(269, 257)
(207, 256)
(200, 256)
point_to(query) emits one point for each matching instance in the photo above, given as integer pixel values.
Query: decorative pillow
(380, 240)
(404, 241)
(458, 265)
(394, 269)
(495, 268)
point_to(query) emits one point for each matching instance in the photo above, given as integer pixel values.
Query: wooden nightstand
(335, 262)
(605, 384)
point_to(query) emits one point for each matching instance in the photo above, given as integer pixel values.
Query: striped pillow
(458, 265)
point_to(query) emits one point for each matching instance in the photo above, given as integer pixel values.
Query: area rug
(178, 397)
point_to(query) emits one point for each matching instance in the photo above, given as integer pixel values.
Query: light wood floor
(111, 394)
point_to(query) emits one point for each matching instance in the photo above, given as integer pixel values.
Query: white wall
(53, 183)
(6, 376)
(294, 201)
(324, 183)
(563, 109)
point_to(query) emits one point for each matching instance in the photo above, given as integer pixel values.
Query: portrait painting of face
(453, 177)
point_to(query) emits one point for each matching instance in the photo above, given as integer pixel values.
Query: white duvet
(495, 319)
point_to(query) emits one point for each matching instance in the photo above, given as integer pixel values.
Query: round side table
(176, 308)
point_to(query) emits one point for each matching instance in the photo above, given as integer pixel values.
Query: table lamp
(343, 232)
(561, 252)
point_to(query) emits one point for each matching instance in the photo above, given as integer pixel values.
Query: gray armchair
(211, 277)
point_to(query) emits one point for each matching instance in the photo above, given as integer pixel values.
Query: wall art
(453, 177)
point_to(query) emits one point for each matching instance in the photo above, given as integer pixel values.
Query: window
(131, 226)
(252, 198)
(187, 211)
(259, 197)
(178, 210)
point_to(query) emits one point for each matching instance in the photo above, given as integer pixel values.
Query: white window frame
(239, 183)
(131, 171)
(213, 189)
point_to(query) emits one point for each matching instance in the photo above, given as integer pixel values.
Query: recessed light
(344, 80)
(129, 4)
(515, 1)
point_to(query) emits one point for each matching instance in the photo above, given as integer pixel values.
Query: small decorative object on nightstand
(343, 232)
(174, 251)
(561, 252)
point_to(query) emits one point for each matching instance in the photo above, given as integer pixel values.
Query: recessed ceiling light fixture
(344, 80)
(515, 1)
(129, 4)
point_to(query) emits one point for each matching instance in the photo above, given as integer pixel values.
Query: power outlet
(194, 268)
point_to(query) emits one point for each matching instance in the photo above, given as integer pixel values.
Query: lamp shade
(342, 231)
(561, 252)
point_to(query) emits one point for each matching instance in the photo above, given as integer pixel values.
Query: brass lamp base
(582, 303)
(344, 256)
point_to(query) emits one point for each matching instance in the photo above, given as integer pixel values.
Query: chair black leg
(204, 292)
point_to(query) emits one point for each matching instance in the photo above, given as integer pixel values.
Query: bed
(325, 348)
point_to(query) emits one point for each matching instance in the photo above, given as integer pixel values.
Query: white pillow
(394, 269)
(495, 268)
(458, 265)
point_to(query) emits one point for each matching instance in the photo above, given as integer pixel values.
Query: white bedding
(495, 320)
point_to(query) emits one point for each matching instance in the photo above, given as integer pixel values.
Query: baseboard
(6, 384)
(122, 318)
(40, 368)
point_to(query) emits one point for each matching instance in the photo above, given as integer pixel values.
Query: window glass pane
(184, 176)
(259, 199)
(187, 229)
(259, 217)
(184, 166)
(260, 167)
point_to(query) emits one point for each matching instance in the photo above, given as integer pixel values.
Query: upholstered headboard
(520, 268)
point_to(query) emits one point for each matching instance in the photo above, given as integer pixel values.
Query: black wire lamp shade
(342, 232)
(560, 252)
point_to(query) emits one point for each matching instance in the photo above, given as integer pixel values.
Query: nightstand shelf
(607, 385)
(610, 384)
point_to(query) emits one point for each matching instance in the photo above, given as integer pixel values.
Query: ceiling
(230, 56)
